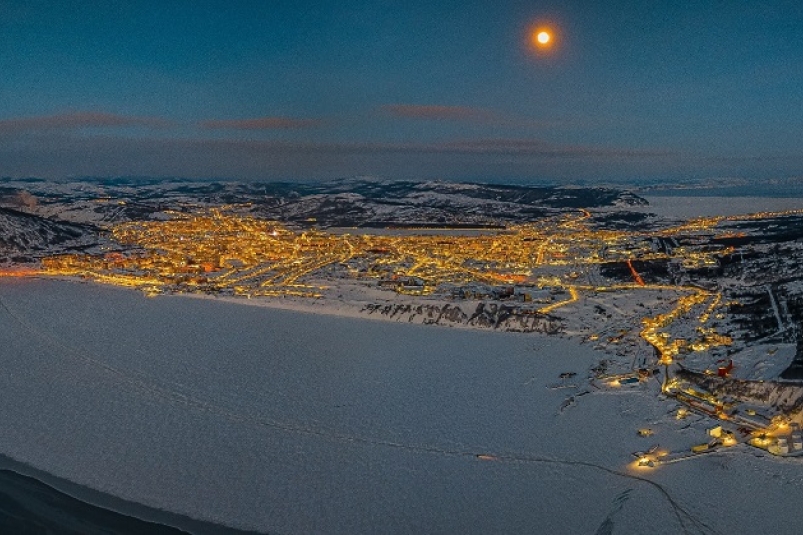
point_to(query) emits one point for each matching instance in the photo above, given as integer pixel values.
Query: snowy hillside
(24, 236)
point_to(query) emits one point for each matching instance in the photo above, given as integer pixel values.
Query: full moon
(542, 38)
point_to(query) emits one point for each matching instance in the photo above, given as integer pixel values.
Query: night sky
(628, 90)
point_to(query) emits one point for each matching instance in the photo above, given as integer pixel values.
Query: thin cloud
(438, 112)
(537, 147)
(262, 123)
(77, 120)
(471, 114)
(65, 155)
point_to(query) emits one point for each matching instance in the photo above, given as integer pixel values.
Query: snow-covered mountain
(25, 236)
(349, 202)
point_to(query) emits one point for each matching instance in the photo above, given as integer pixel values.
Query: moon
(543, 38)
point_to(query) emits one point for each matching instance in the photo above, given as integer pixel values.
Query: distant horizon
(714, 187)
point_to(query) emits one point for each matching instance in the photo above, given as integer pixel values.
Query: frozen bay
(291, 422)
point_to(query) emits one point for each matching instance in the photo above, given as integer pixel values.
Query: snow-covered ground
(292, 422)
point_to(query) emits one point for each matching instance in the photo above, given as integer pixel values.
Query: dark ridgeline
(24, 236)
(347, 202)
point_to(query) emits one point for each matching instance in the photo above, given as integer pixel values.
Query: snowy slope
(23, 234)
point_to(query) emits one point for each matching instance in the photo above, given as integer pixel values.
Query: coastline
(324, 306)
(38, 492)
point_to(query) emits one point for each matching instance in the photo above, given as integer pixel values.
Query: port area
(733, 415)
(728, 421)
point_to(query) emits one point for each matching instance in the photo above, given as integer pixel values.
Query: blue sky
(645, 91)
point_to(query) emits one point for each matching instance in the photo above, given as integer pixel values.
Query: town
(543, 267)
(676, 306)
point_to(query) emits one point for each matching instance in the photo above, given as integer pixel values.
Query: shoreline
(345, 310)
(104, 504)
